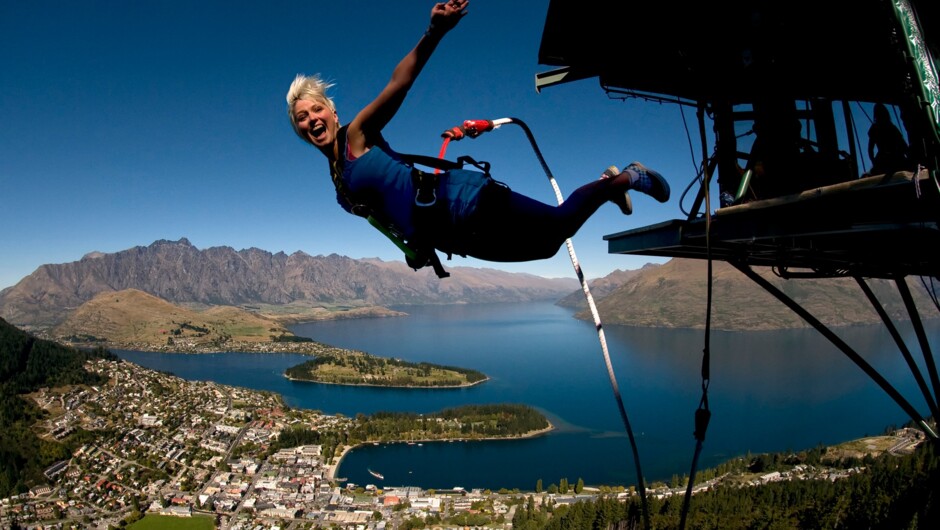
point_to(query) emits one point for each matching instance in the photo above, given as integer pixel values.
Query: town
(164, 445)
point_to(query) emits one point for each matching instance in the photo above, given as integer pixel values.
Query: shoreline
(331, 469)
(428, 387)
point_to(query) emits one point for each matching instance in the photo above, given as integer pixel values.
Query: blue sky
(129, 122)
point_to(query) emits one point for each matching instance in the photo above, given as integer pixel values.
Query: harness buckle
(425, 185)
(425, 197)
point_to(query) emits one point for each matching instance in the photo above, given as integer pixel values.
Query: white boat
(377, 475)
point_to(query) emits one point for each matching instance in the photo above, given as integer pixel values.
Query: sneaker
(620, 199)
(650, 182)
(726, 199)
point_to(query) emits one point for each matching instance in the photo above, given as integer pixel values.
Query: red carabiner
(475, 128)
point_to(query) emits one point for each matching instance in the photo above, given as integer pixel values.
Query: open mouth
(318, 130)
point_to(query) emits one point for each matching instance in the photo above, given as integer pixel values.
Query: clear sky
(128, 122)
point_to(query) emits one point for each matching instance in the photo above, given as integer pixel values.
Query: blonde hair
(311, 88)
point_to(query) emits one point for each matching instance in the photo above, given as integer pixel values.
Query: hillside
(27, 364)
(135, 317)
(602, 287)
(674, 295)
(281, 284)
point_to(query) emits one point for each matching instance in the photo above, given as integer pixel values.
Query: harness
(419, 249)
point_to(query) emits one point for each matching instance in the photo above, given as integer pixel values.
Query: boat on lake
(376, 474)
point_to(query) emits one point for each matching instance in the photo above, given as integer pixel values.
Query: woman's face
(316, 121)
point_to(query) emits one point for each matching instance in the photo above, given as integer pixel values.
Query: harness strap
(430, 161)
(419, 252)
(426, 215)
(336, 173)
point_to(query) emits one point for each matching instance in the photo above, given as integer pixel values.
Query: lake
(769, 391)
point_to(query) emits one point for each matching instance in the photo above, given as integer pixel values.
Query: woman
(469, 213)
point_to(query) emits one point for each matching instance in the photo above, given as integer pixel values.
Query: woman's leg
(519, 229)
(612, 186)
(509, 226)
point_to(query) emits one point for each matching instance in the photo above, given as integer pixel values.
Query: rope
(474, 128)
(440, 155)
(702, 414)
(597, 324)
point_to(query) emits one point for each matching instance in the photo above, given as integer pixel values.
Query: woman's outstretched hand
(446, 15)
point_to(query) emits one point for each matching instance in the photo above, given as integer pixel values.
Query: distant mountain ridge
(674, 295)
(300, 287)
(180, 273)
(602, 287)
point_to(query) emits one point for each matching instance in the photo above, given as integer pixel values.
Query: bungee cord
(474, 128)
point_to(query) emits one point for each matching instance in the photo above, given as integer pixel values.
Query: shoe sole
(626, 207)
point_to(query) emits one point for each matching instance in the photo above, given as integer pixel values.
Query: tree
(538, 486)
(579, 487)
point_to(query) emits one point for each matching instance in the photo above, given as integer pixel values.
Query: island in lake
(349, 367)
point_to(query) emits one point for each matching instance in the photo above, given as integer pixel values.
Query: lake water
(770, 391)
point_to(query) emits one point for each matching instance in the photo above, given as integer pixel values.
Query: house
(43, 489)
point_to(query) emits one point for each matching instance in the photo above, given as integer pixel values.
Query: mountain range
(675, 294)
(298, 287)
(180, 273)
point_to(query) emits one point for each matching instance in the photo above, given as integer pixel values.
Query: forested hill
(28, 364)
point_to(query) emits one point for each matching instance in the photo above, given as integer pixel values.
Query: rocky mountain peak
(180, 273)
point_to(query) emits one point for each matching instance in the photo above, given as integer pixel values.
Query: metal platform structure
(778, 88)
(877, 227)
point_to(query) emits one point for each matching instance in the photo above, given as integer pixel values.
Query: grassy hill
(135, 317)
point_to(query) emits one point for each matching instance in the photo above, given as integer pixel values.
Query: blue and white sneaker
(649, 182)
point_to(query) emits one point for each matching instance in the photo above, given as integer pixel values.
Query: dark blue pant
(508, 226)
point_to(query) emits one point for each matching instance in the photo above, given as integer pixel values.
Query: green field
(170, 522)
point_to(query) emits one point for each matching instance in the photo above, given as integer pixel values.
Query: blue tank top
(382, 181)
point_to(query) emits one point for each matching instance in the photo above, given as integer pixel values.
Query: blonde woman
(470, 213)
